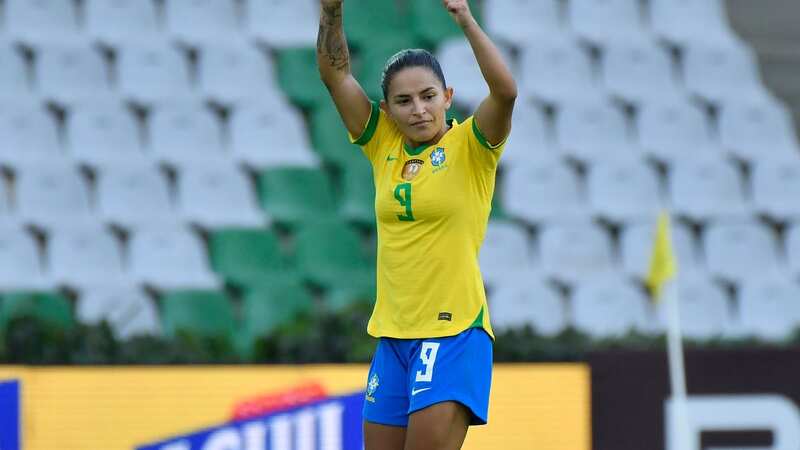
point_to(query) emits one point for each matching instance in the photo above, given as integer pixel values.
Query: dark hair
(413, 57)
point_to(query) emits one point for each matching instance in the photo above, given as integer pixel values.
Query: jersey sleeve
(481, 151)
(373, 134)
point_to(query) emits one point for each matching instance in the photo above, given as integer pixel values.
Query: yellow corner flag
(663, 266)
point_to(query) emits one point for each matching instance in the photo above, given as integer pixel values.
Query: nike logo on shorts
(417, 391)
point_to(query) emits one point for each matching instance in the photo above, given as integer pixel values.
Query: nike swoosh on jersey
(389, 158)
(417, 391)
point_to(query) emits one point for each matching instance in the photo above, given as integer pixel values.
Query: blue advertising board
(330, 424)
(9, 415)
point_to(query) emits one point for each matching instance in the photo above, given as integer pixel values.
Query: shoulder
(378, 127)
(469, 132)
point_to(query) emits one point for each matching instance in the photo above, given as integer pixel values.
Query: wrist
(467, 22)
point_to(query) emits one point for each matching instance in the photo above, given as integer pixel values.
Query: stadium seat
(431, 23)
(28, 134)
(343, 298)
(739, 250)
(67, 74)
(686, 21)
(266, 135)
(543, 191)
(248, 256)
(636, 248)
(518, 22)
(600, 21)
(506, 254)
(183, 133)
(267, 308)
(134, 196)
(13, 74)
(769, 308)
(218, 195)
(758, 130)
(103, 133)
(152, 73)
(52, 195)
(229, 74)
(298, 76)
(295, 195)
(372, 58)
(329, 254)
(530, 139)
(7, 214)
(170, 258)
(704, 309)
(622, 191)
(609, 307)
(198, 313)
(21, 265)
(671, 131)
(776, 188)
(358, 193)
(639, 72)
(41, 22)
(196, 22)
(283, 23)
(793, 248)
(592, 131)
(50, 308)
(719, 73)
(116, 22)
(464, 74)
(706, 189)
(330, 138)
(127, 310)
(528, 301)
(575, 251)
(556, 68)
(84, 257)
(371, 24)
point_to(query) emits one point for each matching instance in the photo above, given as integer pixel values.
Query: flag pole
(677, 371)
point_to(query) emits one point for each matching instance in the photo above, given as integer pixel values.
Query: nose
(419, 107)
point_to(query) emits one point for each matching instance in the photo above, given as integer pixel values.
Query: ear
(385, 107)
(448, 97)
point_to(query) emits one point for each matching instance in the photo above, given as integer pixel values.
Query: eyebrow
(422, 92)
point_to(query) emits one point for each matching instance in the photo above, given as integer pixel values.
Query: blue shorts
(411, 374)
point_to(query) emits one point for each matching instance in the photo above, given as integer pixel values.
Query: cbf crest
(372, 386)
(438, 157)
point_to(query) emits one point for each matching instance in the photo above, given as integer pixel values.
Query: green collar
(414, 151)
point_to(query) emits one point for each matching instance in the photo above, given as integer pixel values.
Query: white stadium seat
(471, 86)
(793, 248)
(556, 68)
(116, 22)
(575, 251)
(218, 195)
(506, 254)
(85, 256)
(185, 133)
(685, 21)
(28, 134)
(283, 23)
(37, 22)
(127, 310)
(543, 191)
(636, 248)
(720, 73)
(134, 195)
(706, 189)
(518, 22)
(152, 73)
(69, 73)
(592, 131)
(170, 258)
(230, 74)
(704, 309)
(601, 21)
(623, 191)
(769, 308)
(52, 195)
(639, 72)
(674, 130)
(776, 188)
(740, 250)
(196, 22)
(609, 307)
(21, 265)
(529, 301)
(530, 139)
(13, 74)
(758, 130)
(103, 133)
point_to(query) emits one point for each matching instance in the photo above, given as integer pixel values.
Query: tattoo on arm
(331, 42)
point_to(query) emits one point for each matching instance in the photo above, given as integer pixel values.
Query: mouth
(420, 124)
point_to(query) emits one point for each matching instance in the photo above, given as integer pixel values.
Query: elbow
(507, 94)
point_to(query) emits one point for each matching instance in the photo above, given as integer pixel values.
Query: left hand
(459, 11)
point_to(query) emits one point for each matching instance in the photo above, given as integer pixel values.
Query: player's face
(417, 102)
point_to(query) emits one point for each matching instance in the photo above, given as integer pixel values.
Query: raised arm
(333, 59)
(493, 116)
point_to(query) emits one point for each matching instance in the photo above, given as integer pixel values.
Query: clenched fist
(459, 11)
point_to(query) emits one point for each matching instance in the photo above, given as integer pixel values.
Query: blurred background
(177, 187)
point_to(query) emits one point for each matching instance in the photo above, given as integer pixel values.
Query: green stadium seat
(268, 307)
(373, 58)
(330, 254)
(343, 298)
(299, 78)
(295, 195)
(203, 314)
(329, 137)
(358, 194)
(432, 23)
(247, 257)
(368, 21)
(51, 308)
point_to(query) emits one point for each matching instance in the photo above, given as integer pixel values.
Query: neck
(414, 144)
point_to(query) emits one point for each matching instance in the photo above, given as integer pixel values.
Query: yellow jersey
(432, 205)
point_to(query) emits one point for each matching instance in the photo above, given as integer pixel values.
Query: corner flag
(663, 266)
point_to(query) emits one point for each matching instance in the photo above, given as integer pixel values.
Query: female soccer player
(434, 180)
